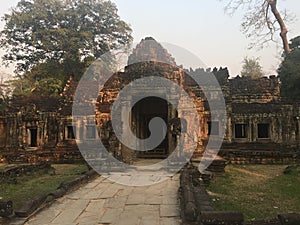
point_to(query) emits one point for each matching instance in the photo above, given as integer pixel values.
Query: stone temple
(261, 127)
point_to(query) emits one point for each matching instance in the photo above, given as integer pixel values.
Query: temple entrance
(142, 113)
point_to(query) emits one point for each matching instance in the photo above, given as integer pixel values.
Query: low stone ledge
(91, 173)
(187, 198)
(6, 208)
(282, 219)
(221, 217)
(264, 222)
(30, 206)
(41, 201)
(68, 186)
(289, 219)
(195, 199)
(190, 208)
(58, 193)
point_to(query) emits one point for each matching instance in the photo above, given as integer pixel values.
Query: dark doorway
(263, 130)
(142, 113)
(71, 132)
(33, 137)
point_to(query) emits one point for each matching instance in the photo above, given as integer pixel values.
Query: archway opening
(142, 113)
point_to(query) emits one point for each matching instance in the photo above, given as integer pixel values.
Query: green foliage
(295, 43)
(289, 72)
(21, 86)
(3, 104)
(49, 87)
(45, 87)
(251, 68)
(61, 36)
(2, 100)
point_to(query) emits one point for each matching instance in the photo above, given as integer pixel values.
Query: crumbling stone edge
(197, 208)
(40, 202)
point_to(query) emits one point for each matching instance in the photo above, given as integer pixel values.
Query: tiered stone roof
(150, 50)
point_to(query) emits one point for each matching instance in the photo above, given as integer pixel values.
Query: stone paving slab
(102, 201)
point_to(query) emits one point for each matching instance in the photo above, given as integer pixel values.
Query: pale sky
(201, 27)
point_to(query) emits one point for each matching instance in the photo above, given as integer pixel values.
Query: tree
(5, 92)
(27, 87)
(289, 72)
(262, 21)
(67, 33)
(251, 68)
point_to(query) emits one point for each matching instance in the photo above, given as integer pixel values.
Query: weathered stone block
(289, 219)
(222, 218)
(6, 208)
(30, 206)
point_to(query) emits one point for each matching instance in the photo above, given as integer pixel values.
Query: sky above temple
(199, 26)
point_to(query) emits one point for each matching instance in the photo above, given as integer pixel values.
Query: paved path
(104, 202)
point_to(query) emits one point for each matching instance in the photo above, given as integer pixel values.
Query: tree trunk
(284, 31)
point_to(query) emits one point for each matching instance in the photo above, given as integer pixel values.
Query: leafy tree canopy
(289, 72)
(60, 38)
(251, 68)
(45, 87)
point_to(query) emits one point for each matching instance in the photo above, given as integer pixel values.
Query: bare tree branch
(283, 29)
(262, 21)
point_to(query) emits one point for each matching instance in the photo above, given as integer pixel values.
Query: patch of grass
(259, 191)
(39, 182)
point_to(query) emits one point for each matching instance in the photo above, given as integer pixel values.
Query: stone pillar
(298, 130)
(254, 130)
(78, 124)
(61, 132)
(280, 130)
(171, 114)
(272, 134)
(127, 153)
(249, 129)
(228, 130)
(40, 134)
(22, 136)
(65, 132)
(292, 136)
(45, 137)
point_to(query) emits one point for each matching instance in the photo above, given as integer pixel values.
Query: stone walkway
(104, 202)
